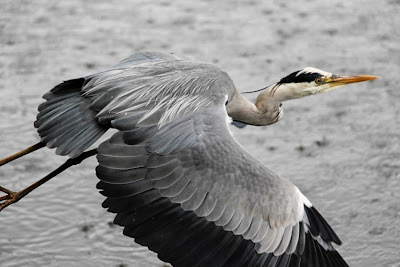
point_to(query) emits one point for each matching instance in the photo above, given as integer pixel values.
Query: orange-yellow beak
(337, 80)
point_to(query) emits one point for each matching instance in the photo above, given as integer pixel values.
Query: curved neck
(265, 111)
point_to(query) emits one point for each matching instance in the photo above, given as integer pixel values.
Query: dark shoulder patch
(301, 78)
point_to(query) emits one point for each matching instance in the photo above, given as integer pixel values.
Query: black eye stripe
(301, 78)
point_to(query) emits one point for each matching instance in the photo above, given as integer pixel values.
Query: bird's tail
(66, 121)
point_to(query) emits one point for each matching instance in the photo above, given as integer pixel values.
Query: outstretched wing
(191, 193)
(161, 86)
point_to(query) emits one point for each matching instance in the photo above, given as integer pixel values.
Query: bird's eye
(318, 81)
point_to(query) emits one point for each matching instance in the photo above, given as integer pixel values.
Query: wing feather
(186, 194)
(207, 206)
(294, 239)
(217, 212)
(225, 217)
(262, 232)
(255, 226)
(284, 241)
(195, 201)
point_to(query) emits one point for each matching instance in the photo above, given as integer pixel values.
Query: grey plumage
(174, 174)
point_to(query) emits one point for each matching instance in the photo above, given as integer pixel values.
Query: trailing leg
(22, 153)
(13, 197)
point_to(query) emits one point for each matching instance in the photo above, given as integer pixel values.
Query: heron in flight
(178, 181)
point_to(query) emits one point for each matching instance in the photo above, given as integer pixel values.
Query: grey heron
(178, 181)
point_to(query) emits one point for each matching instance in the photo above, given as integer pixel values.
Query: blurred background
(341, 148)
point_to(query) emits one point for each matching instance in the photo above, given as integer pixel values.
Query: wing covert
(164, 86)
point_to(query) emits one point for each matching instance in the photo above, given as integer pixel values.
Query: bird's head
(268, 106)
(305, 82)
(310, 81)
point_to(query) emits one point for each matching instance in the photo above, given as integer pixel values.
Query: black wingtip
(74, 84)
(332, 233)
(320, 226)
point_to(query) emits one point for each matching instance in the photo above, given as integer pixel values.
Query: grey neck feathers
(265, 111)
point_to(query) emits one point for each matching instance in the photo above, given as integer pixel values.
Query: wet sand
(341, 148)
